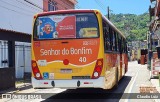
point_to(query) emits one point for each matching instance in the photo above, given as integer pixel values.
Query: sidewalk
(33, 95)
(20, 88)
(155, 83)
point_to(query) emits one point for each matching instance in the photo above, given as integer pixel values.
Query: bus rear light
(99, 63)
(98, 69)
(34, 64)
(35, 70)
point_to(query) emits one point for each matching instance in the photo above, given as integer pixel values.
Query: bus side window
(106, 37)
(111, 39)
(117, 42)
(123, 45)
(115, 35)
(126, 47)
(108, 41)
(120, 44)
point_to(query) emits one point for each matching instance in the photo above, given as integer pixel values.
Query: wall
(17, 15)
(7, 78)
(22, 57)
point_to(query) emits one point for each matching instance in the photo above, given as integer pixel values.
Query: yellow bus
(77, 49)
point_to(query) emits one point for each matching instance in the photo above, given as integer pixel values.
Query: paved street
(136, 77)
(140, 78)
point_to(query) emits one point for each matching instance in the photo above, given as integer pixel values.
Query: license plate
(66, 70)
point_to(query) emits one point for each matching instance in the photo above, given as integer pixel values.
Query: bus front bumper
(69, 84)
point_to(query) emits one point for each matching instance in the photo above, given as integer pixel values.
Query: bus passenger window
(120, 44)
(117, 42)
(108, 44)
(111, 38)
(126, 47)
(106, 37)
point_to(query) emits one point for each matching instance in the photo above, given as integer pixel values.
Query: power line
(77, 6)
(33, 4)
(100, 5)
(15, 6)
(28, 5)
(15, 11)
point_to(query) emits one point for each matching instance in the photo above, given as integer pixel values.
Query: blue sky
(117, 6)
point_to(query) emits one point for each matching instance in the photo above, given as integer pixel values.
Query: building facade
(17, 15)
(154, 25)
(53, 5)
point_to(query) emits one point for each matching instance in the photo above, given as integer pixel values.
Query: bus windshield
(81, 25)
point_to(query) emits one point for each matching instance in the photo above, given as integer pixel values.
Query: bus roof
(66, 11)
(80, 11)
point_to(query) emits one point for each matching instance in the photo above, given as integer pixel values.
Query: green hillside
(133, 26)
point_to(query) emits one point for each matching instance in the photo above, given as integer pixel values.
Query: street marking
(131, 86)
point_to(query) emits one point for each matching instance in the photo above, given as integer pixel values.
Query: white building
(17, 15)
